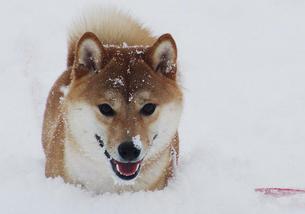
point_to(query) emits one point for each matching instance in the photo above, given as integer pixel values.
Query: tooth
(118, 168)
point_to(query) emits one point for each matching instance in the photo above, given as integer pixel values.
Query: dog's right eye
(106, 110)
(148, 109)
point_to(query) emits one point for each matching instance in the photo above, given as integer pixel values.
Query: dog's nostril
(136, 152)
(128, 151)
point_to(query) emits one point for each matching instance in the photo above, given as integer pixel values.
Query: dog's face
(123, 103)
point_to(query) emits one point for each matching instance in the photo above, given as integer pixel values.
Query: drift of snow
(242, 66)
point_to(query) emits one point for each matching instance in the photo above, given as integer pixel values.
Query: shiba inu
(111, 118)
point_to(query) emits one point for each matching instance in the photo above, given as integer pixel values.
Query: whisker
(101, 143)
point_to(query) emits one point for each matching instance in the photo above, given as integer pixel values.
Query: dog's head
(123, 102)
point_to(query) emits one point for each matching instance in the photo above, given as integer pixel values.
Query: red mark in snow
(280, 192)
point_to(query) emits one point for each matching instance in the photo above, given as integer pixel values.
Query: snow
(137, 142)
(242, 67)
(125, 45)
(118, 81)
(64, 89)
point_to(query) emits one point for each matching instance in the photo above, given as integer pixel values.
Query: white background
(243, 72)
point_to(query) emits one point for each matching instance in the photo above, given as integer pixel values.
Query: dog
(111, 118)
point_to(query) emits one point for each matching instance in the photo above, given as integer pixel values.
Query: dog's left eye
(148, 109)
(106, 110)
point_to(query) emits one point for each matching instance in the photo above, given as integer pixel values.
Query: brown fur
(53, 129)
(133, 66)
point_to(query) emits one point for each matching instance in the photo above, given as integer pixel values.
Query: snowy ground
(243, 71)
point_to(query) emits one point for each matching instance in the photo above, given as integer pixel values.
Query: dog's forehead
(138, 98)
(130, 79)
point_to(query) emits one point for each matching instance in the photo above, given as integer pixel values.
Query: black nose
(128, 151)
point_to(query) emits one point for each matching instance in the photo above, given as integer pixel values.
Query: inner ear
(163, 56)
(89, 52)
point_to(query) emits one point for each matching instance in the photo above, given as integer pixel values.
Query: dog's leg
(55, 153)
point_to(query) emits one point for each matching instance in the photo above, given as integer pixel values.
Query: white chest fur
(97, 175)
(93, 174)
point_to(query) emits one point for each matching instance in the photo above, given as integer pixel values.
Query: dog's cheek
(83, 125)
(165, 127)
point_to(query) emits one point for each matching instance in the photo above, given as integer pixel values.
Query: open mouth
(124, 170)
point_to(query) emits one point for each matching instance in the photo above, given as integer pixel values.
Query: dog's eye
(148, 109)
(106, 110)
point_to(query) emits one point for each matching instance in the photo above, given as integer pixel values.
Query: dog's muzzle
(125, 170)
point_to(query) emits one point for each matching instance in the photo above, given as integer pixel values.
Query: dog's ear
(162, 56)
(89, 55)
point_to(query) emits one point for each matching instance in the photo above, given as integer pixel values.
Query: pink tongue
(127, 168)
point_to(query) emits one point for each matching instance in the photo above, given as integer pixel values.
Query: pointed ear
(89, 55)
(163, 56)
